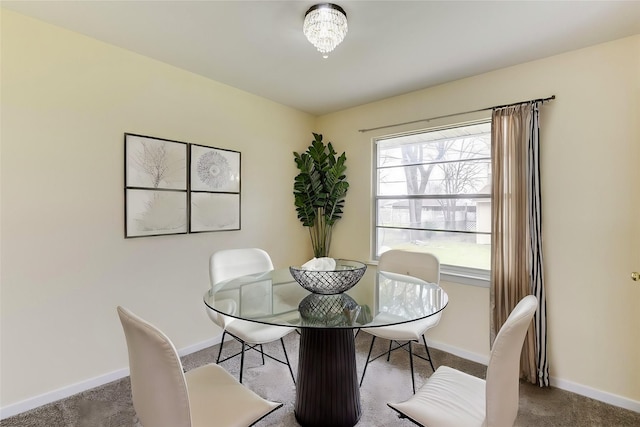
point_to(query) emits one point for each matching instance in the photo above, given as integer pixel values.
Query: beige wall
(66, 102)
(590, 140)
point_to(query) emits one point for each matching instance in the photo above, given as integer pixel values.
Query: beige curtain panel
(516, 265)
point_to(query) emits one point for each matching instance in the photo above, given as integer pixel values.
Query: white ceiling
(392, 47)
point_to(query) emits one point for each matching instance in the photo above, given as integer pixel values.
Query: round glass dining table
(327, 391)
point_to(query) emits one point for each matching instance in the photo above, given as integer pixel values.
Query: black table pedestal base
(327, 392)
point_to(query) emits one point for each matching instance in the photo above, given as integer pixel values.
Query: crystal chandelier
(325, 26)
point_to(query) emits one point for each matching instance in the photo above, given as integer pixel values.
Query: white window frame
(449, 273)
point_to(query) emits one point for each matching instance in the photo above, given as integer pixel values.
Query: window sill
(460, 275)
(465, 279)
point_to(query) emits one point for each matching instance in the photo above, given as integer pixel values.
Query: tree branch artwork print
(156, 186)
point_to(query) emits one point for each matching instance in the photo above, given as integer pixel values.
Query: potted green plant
(319, 191)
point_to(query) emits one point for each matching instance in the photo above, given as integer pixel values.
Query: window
(433, 194)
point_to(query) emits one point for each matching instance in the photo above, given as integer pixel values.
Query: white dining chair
(164, 396)
(231, 263)
(451, 398)
(422, 265)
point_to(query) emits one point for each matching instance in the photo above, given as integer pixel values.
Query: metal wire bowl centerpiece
(330, 282)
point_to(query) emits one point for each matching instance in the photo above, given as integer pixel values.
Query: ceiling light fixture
(325, 26)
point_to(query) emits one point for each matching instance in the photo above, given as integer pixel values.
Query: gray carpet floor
(110, 405)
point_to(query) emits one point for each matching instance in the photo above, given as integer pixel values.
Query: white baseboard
(602, 396)
(199, 346)
(474, 357)
(64, 392)
(61, 393)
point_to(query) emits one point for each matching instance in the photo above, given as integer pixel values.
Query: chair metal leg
(262, 353)
(221, 344)
(413, 381)
(287, 359)
(246, 347)
(426, 347)
(407, 346)
(368, 357)
(241, 361)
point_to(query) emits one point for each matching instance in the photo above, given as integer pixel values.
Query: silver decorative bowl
(330, 282)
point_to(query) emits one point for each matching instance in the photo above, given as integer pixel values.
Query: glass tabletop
(378, 299)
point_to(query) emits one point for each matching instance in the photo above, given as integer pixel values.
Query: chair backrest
(422, 265)
(158, 385)
(503, 372)
(230, 263)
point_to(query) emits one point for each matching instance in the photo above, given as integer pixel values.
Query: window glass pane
(440, 214)
(458, 249)
(433, 193)
(468, 177)
(466, 142)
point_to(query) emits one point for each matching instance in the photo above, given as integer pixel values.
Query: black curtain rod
(495, 107)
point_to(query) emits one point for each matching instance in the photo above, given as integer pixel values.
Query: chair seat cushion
(256, 333)
(403, 332)
(218, 399)
(449, 398)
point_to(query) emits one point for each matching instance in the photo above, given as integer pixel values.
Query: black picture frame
(156, 186)
(174, 187)
(214, 189)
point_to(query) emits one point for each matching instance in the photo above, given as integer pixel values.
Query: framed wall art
(213, 169)
(174, 187)
(214, 189)
(214, 212)
(155, 186)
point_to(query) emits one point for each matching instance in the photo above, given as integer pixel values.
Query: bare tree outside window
(462, 177)
(417, 177)
(432, 189)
